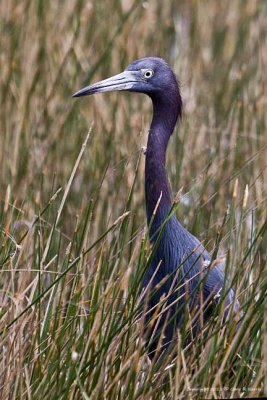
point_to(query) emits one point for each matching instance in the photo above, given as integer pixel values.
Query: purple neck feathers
(166, 110)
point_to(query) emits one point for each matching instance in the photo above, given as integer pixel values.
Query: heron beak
(123, 81)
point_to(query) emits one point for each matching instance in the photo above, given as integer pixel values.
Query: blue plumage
(182, 257)
(180, 268)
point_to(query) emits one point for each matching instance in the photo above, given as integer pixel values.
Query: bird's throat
(158, 197)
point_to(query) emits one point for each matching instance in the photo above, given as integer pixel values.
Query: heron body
(179, 259)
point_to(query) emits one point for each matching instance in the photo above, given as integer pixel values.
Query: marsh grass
(74, 243)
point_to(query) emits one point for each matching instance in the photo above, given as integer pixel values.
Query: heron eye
(148, 73)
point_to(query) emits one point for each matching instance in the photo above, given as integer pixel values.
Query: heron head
(150, 75)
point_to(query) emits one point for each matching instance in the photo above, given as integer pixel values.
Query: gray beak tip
(76, 94)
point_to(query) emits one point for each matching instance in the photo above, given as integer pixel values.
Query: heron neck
(157, 189)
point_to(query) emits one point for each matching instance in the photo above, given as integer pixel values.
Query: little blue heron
(179, 261)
